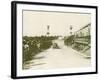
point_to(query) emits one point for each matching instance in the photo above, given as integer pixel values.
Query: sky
(35, 22)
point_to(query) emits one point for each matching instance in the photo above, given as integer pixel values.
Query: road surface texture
(65, 57)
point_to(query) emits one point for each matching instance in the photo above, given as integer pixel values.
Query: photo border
(14, 38)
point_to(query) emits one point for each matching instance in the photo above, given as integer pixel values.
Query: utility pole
(71, 29)
(48, 27)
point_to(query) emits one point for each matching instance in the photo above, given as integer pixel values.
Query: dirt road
(65, 57)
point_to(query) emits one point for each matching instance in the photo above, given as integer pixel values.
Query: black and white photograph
(54, 39)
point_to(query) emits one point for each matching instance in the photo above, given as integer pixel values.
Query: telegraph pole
(48, 27)
(71, 29)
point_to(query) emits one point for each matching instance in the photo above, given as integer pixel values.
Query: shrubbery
(34, 45)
